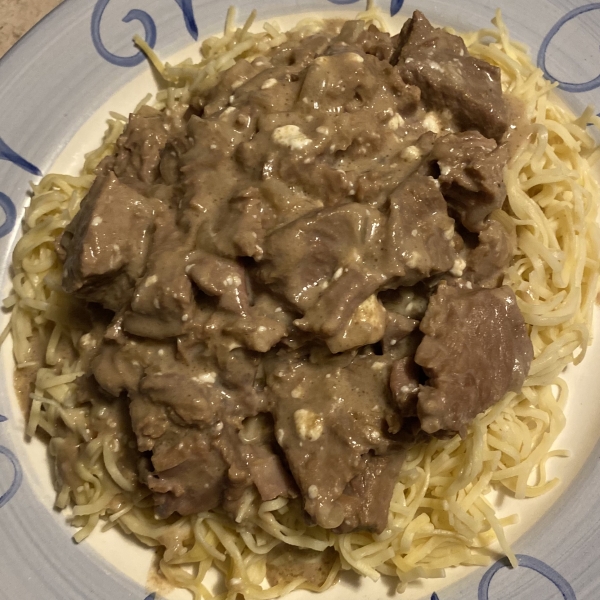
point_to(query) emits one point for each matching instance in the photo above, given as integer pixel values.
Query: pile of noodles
(439, 514)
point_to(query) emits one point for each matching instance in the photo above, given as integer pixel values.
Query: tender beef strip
(256, 332)
(237, 369)
(475, 349)
(332, 312)
(215, 99)
(119, 361)
(268, 473)
(471, 175)
(106, 244)
(376, 42)
(188, 419)
(220, 277)
(187, 474)
(360, 95)
(115, 370)
(410, 302)
(487, 262)
(366, 499)
(449, 78)
(301, 258)
(356, 81)
(246, 219)
(368, 39)
(170, 160)
(404, 383)
(241, 231)
(209, 173)
(328, 415)
(254, 464)
(397, 328)
(376, 185)
(190, 398)
(211, 467)
(418, 238)
(233, 324)
(139, 147)
(163, 300)
(300, 54)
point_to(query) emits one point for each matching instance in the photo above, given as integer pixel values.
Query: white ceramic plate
(56, 87)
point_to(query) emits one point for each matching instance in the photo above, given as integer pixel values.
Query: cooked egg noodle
(439, 515)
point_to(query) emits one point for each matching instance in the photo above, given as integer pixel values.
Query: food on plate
(265, 325)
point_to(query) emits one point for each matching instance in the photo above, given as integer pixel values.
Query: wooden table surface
(17, 17)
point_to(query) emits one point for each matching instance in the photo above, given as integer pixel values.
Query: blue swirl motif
(563, 586)
(149, 30)
(18, 473)
(7, 153)
(528, 562)
(395, 5)
(133, 15)
(541, 57)
(6, 204)
(188, 17)
(10, 215)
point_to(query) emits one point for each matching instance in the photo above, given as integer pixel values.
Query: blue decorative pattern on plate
(575, 13)
(37, 558)
(17, 478)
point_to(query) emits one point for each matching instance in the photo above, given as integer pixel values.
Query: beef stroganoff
(304, 312)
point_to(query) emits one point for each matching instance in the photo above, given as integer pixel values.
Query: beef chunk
(216, 98)
(115, 368)
(419, 232)
(242, 230)
(371, 40)
(366, 499)
(376, 42)
(397, 327)
(328, 416)
(404, 383)
(189, 398)
(471, 175)
(221, 277)
(475, 349)
(188, 422)
(438, 62)
(375, 185)
(256, 332)
(254, 465)
(487, 262)
(139, 148)
(268, 473)
(106, 244)
(163, 300)
(334, 309)
(301, 258)
(187, 475)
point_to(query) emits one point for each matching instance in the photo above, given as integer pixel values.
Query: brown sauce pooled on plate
(299, 273)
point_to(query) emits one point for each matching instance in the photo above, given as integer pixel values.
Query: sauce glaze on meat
(294, 273)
